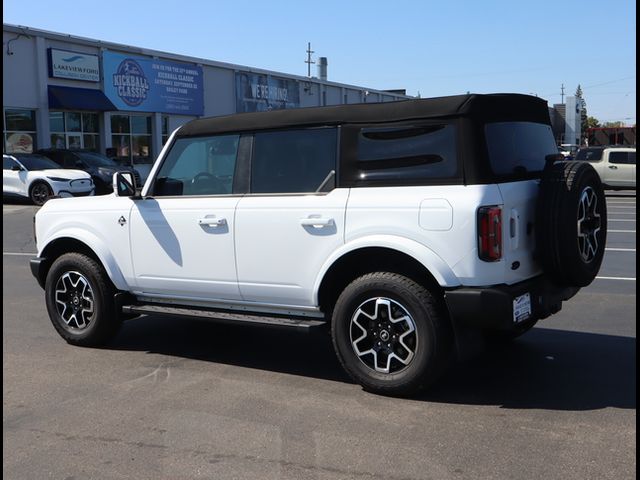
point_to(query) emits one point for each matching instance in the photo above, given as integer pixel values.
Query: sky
(431, 48)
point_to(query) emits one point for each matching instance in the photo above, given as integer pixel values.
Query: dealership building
(63, 91)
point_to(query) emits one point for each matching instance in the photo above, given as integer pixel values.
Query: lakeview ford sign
(151, 85)
(74, 65)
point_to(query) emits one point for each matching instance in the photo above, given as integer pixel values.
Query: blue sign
(149, 85)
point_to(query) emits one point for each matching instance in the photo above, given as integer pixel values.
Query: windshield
(519, 147)
(590, 154)
(36, 162)
(96, 159)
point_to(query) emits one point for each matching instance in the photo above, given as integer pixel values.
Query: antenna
(308, 61)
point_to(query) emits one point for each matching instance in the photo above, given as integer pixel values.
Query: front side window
(8, 163)
(294, 161)
(199, 166)
(407, 153)
(518, 148)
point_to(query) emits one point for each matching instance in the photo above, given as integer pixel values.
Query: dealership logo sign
(130, 82)
(73, 65)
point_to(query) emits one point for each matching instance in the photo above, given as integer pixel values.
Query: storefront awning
(78, 99)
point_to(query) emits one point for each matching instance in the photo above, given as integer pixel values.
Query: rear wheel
(79, 298)
(39, 193)
(390, 334)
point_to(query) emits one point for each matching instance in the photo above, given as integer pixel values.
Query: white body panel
(400, 213)
(279, 248)
(95, 222)
(185, 246)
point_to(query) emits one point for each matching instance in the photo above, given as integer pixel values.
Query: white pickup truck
(615, 165)
(405, 228)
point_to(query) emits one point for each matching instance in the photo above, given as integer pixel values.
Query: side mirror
(124, 184)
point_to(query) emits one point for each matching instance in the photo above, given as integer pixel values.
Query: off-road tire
(560, 231)
(433, 333)
(104, 322)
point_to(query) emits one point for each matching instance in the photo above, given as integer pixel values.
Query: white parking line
(629, 279)
(620, 213)
(20, 254)
(619, 205)
(621, 220)
(621, 231)
(620, 249)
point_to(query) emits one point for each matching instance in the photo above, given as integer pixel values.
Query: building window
(131, 138)
(165, 130)
(19, 130)
(74, 130)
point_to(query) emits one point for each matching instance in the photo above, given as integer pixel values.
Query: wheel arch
(407, 258)
(89, 246)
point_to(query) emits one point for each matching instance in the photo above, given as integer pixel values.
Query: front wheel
(390, 334)
(39, 193)
(79, 298)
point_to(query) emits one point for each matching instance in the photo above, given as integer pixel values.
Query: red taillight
(490, 233)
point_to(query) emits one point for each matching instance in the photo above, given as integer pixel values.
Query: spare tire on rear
(571, 223)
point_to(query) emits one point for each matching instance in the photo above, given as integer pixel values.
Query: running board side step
(304, 324)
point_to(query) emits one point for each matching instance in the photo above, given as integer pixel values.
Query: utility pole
(562, 94)
(308, 61)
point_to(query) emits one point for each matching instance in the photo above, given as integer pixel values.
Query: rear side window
(407, 153)
(199, 166)
(590, 154)
(518, 148)
(628, 158)
(294, 161)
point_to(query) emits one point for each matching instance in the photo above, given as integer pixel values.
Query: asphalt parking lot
(179, 399)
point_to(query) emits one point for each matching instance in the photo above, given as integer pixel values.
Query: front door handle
(212, 221)
(316, 222)
(613, 167)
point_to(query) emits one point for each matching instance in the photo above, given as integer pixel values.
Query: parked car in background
(615, 165)
(39, 178)
(100, 167)
(568, 150)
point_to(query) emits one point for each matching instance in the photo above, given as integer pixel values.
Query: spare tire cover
(571, 223)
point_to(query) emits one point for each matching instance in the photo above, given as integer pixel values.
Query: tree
(593, 122)
(584, 122)
(616, 124)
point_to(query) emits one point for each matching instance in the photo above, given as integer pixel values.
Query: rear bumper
(492, 307)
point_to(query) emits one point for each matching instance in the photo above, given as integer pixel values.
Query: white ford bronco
(407, 228)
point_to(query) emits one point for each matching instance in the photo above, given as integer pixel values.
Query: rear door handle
(316, 222)
(613, 167)
(212, 221)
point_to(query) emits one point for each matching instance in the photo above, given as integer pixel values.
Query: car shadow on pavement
(546, 369)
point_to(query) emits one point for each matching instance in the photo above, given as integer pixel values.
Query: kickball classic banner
(149, 85)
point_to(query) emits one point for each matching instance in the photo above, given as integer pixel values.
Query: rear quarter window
(518, 148)
(590, 154)
(406, 153)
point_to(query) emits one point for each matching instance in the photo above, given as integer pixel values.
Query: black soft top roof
(484, 108)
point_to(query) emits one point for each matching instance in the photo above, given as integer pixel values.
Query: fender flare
(440, 270)
(98, 246)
